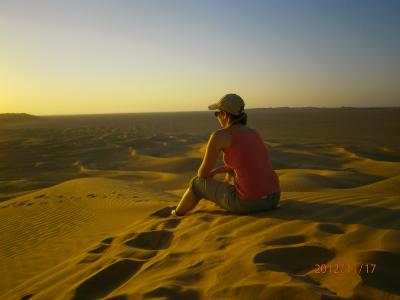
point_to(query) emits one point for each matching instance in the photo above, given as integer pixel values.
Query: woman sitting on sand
(256, 185)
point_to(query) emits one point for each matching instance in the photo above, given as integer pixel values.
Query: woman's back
(249, 157)
(257, 185)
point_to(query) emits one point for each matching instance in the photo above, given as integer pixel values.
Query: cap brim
(213, 106)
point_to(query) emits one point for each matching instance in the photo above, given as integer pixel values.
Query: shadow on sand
(290, 209)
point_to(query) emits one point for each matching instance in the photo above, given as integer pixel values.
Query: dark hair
(242, 119)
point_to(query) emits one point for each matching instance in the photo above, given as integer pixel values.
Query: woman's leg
(213, 190)
(188, 201)
(210, 189)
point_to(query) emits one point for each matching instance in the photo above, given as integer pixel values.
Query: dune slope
(209, 254)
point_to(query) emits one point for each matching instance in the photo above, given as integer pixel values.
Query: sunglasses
(216, 113)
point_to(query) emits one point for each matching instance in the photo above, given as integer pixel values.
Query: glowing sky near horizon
(73, 57)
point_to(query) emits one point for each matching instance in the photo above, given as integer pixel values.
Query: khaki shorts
(225, 196)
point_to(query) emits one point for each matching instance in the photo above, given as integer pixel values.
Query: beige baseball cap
(230, 103)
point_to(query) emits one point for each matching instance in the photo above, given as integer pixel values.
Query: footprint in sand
(108, 279)
(296, 259)
(118, 297)
(172, 292)
(99, 249)
(145, 245)
(171, 223)
(91, 195)
(40, 196)
(93, 254)
(151, 240)
(26, 297)
(89, 259)
(167, 224)
(222, 242)
(138, 254)
(287, 240)
(163, 212)
(107, 241)
(330, 228)
(386, 274)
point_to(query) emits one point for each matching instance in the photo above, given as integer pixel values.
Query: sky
(79, 57)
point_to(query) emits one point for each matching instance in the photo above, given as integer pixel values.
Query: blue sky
(62, 57)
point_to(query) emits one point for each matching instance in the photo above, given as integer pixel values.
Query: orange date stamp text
(363, 268)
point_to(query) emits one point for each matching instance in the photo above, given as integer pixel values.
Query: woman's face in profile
(222, 118)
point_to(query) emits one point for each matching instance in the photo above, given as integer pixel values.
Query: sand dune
(41, 229)
(385, 186)
(17, 117)
(84, 218)
(144, 253)
(302, 180)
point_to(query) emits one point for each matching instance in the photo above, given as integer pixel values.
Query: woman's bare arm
(224, 169)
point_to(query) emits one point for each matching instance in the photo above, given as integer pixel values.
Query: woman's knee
(193, 181)
(194, 185)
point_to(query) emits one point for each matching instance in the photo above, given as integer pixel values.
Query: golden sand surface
(85, 202)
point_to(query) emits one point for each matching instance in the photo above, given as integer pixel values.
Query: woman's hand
(212, 173)
(224, 169)
(230, 178)
(218, 170)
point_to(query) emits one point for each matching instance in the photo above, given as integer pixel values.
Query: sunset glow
(75, 57)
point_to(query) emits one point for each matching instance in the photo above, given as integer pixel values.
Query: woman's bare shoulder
(222, 133)
(226, 133)
(223, 137)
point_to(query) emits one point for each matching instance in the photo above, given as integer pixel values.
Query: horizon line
(193, 111)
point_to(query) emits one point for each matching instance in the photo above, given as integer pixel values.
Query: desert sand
(83, 217)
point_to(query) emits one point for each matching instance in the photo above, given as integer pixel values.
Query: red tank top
(249, 157)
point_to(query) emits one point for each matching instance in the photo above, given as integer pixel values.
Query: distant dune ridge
(17, 117)
(86, 202)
